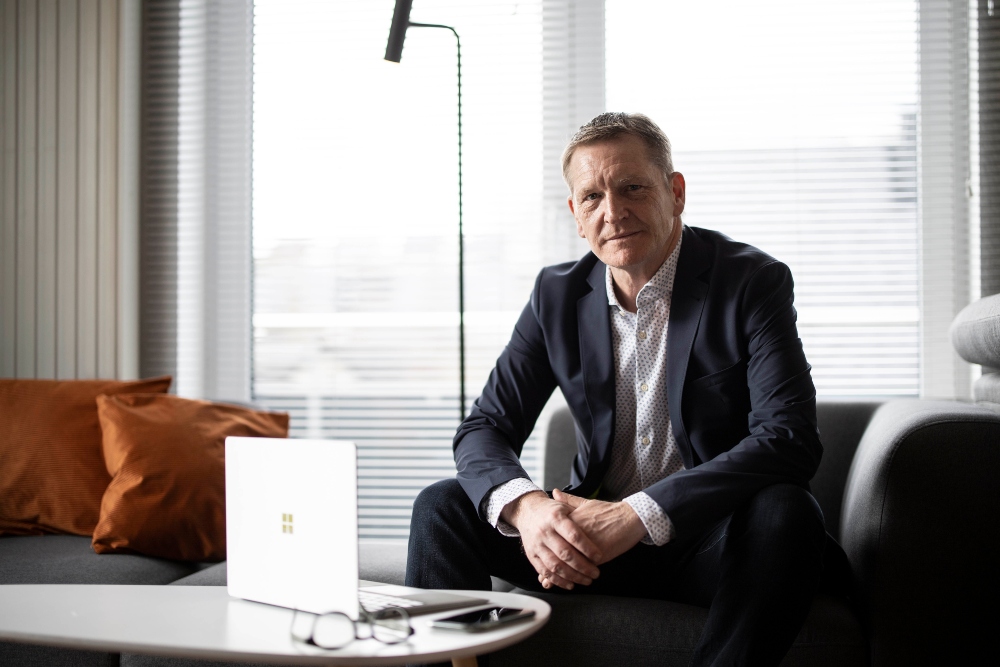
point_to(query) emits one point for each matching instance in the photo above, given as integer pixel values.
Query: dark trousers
(756, 571)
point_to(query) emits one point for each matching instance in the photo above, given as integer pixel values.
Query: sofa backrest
(841, 425)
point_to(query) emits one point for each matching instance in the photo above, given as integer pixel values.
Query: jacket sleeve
(489, 441)
(782, 444)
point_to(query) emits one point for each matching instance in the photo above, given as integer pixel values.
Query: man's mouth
(623, 235)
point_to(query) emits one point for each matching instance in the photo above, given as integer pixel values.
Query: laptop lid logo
(286, 523)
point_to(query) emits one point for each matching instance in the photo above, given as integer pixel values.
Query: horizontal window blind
(795, 126)
(195, 196)
(356, 223)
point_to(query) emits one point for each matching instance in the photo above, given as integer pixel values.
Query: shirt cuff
(502, 495)
(659, 527)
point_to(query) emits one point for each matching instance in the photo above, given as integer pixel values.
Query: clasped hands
(566, 537)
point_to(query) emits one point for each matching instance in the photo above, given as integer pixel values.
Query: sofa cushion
(383, 561)
(166, 455)
(50, 453)
(33, 655)
(841, 424)
(68, 559)
(604, 630)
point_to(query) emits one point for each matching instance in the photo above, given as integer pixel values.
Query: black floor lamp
(394, 53)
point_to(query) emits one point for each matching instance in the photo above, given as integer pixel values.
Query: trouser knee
(785, 511)
(444, 500)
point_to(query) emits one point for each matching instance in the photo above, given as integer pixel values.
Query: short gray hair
(615, 123)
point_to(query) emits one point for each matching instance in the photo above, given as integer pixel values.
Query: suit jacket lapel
(598, 366)
(686, 304)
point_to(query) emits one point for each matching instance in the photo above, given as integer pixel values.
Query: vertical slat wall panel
(8, 187)
(86, 322)
(107, 190)
(46, 267)
(68, 188)
(27, 197)
(66, 210)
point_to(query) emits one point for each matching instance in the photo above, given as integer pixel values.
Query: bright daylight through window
(793, 122)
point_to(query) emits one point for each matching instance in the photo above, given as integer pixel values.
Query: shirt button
(645, 440)
(644, 386)
(642, 335)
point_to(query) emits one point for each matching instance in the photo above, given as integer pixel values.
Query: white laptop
(292, 528)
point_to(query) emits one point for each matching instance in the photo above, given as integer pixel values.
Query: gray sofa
(909, 487)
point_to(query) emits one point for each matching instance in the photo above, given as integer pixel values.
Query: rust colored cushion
(52, 472)
(167, 460)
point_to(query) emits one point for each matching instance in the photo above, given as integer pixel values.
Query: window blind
(945, 184)
(356, 220)
(796, 127)
(986, 176)
(195, 202)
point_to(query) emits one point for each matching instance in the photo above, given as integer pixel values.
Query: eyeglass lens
(333, 630)
(391, 626)
(336, 630)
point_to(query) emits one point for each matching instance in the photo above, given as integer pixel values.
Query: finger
(555, 563)
(550, 580)
(580, 541)
(573, 560)
(571, 500)
(548, 568)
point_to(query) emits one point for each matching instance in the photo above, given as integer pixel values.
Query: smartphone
(483, 619)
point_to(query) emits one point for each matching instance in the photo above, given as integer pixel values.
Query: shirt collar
(659, 286)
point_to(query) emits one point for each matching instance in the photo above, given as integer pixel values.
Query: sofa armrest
(918, 525)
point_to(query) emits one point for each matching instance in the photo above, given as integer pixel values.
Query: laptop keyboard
(379, 601)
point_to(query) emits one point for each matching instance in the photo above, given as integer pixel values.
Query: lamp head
(397, 31)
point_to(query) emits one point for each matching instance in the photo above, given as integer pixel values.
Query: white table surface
(204, 622)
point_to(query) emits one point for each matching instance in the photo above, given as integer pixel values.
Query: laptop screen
(292, 523)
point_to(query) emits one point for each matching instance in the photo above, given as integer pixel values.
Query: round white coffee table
(204, 622)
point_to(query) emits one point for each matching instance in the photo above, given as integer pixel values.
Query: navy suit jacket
(741, 398)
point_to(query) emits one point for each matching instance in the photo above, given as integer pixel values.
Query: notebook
(292, 529)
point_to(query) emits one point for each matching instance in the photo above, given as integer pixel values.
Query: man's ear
(572, 209)
(678, 189)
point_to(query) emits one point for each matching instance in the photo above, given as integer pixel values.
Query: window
(796, 125)
(356, 223)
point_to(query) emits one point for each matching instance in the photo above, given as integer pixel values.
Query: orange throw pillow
(167, 459)
(52, 472)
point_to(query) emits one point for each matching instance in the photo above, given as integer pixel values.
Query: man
(677, 352)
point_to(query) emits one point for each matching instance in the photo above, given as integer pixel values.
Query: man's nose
(615, 208)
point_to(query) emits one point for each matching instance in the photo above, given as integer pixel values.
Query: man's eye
(634, 187)
(591, 197)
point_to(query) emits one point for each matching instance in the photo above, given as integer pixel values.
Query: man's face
(624, 205)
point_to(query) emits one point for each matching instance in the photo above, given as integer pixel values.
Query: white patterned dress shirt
(644, 449)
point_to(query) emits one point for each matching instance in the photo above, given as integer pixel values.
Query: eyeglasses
(335, 629)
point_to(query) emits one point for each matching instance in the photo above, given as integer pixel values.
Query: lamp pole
(394, 52)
